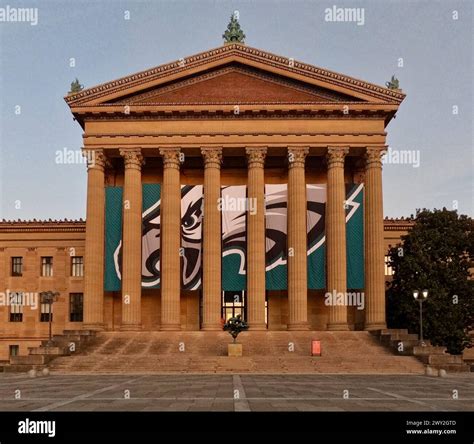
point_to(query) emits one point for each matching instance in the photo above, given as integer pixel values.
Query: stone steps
(40, 357)
(432, 356)
(206, 352)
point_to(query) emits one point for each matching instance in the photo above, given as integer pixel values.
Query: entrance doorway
(233, 304)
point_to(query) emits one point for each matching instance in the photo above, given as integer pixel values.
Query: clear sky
(436, 46)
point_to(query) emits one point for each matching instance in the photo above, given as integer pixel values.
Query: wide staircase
(435, 357)
(206, 352)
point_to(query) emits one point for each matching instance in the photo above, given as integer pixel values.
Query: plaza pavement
(245, 392)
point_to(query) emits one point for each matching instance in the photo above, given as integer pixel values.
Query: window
(44, 315)
(75, 307)
(14, 350)
(16, 307)
(233, 304)
(77, 266)
(388, 267)
(47, 266)
(17, 266)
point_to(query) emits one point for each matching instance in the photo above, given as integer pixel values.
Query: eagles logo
(191, 236)
(316, 209)
(234, 235)
(191, 230)
(276, 198)
(233, 206)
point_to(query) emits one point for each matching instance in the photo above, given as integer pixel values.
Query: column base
(211, 327)
(131, 327)
(375, 326)
(338, 327)
(93, 326)
(170, 327)
(298, 326)
(258, 327)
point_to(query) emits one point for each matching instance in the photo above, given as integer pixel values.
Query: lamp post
(49, 297)
(420, 298)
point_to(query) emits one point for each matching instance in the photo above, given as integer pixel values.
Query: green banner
(234, 214)
(355, 235)
(151, 235)
(192, 208)
(234, 240)
(316, 240)
(113, 237)
(276, 198)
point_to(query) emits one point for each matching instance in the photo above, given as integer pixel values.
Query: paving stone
(262, 393)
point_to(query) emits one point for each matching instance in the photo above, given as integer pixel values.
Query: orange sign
(315, 348)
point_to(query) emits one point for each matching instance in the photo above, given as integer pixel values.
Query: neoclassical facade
(171, 153)
(64, 242)
(234, 115)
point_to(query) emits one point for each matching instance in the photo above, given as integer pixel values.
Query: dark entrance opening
(233, 304)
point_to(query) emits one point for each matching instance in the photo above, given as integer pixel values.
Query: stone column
(94, 251)
(336, 236)
(170, 241)
(374, 242)
(132, 241)
(212, 240)
(256, 239)
(297, 244)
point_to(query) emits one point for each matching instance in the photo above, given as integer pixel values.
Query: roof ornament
(393, 83)
(76, 87)
(234, 33)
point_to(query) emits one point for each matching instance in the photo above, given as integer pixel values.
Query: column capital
(212, 157)
(133, 158)
(373, 156)
(256, 156)
(96, 159)
(335, 156)
(297, 156)
(171, 157)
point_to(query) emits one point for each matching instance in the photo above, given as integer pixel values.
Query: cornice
(227, 112)
(79, 226)
(235, 52)
(230, 134)
(400, 224)
(43, 226)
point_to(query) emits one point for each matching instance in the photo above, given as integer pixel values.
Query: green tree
(435, 255)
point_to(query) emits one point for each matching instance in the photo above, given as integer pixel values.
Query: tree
(235, 326)
(436, 255)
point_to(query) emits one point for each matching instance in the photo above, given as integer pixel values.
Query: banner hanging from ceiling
(191, 236)
(276, 198)
(234, 239)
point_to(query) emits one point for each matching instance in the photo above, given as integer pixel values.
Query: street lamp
(420, 299)
(49, 297)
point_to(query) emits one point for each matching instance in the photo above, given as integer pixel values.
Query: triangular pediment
(233, 74)
(234, 84)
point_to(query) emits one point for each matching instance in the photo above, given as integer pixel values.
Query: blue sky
(35, 74)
